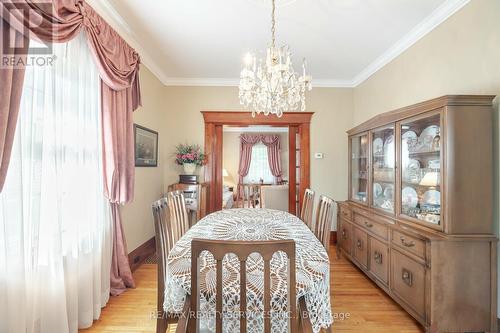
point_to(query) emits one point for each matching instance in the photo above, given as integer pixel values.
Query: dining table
(251, 224)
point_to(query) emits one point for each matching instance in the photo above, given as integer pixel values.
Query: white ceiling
(202, 42)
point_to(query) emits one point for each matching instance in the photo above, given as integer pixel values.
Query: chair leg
(162, 324)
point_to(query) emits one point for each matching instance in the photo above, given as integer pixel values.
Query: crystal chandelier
(271, 85)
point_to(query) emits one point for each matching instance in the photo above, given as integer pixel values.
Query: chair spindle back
(306, 212)
(242, 249)
(324, 218)
(249, 196)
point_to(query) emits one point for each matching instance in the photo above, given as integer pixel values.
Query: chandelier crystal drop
(271, 85)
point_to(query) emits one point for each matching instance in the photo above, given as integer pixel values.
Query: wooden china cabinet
(419, 219)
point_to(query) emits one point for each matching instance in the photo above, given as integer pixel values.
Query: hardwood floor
(359, 305)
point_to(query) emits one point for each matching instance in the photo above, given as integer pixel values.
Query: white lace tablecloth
(312, 270)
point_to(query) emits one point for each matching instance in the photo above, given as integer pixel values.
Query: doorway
(271, 186)
(298, 124)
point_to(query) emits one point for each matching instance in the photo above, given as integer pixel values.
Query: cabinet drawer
(370, 225)
(345, 236)
(345, 212)
(379, 259)
(408, 281)
(360, 246)
(409, 243)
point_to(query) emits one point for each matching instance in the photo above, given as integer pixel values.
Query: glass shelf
(420, 185)
(421, 153)
(359, 168)
(421, 169)
(384, 162)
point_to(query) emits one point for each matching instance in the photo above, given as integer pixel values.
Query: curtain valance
(272, 142)
(118, 63)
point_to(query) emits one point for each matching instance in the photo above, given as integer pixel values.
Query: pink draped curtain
(60, 21)
(272, 142)
(273, 145)
(11, 87)
(247, 141)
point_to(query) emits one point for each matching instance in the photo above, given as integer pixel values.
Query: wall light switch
(318, 155)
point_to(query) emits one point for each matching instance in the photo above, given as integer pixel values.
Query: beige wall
(137, 218)
(333, 109)
(184, 122)
(231, 158)
(461, 56)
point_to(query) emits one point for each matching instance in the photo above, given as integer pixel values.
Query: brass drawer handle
(344, 234)
(360, 244)
(407, 277)
(378, 257)
(369, 225)
(405, 243)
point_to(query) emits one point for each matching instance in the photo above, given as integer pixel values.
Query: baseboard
(139, 255)
(333, 237)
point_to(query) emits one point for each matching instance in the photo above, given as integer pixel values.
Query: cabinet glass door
(384, 162)
(359, 168)
(421, 169)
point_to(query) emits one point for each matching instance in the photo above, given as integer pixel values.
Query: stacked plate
(385, 149)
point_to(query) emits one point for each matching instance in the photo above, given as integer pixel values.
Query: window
(55, 222)
(259, 166)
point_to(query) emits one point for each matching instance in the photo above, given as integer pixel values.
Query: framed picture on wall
(146, 147)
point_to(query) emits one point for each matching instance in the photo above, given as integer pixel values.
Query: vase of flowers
(189, 156)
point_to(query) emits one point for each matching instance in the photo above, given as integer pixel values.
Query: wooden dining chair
(170, 225)
(165, 239)
(324, 218)
(197, 192)
(242, 249)
(306, 212)
(178, 212)
(249, 196)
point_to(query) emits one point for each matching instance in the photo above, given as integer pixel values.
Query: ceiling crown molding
(234, 82)
(438, 16)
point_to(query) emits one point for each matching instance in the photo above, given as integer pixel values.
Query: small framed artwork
(146, 147)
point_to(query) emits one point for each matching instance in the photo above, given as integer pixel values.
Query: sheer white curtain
(259, 166)
(55, 226)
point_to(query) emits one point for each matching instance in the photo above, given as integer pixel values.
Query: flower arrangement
(190, 154)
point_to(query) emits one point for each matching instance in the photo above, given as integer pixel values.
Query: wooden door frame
(297, 122)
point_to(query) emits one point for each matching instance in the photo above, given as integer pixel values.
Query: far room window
(259, 166)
